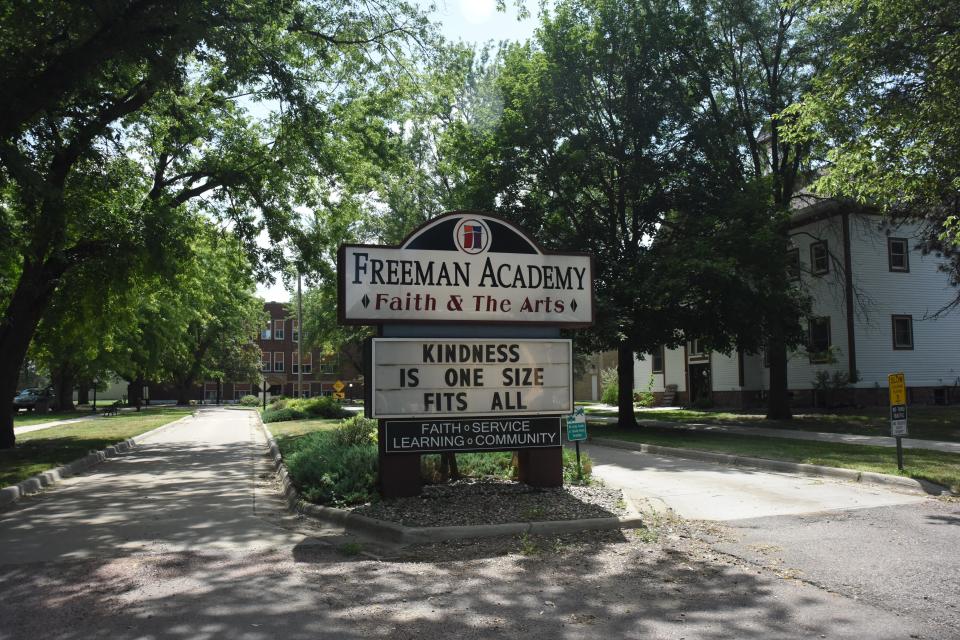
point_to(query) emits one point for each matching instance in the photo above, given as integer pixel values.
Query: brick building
(279, 365)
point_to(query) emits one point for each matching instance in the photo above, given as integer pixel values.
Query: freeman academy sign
(464, 267)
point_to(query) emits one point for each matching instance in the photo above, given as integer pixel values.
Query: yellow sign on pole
(898, 389)
(898, 411)
(338, 395)
(338, 386)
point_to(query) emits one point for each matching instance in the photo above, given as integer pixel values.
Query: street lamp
(96, 383)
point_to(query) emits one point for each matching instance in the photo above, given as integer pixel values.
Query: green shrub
(277, 403)
(249, 401)
(327, 473)
(572, 475)
(645, 398)
(319, 407)
(355, 431)
(282, 415)
(610, 386)
(498, 464)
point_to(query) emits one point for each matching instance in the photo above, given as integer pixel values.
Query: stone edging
(36, 484)
(396, 533)
(866, 477)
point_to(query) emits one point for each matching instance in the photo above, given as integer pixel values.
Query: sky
(476, 21)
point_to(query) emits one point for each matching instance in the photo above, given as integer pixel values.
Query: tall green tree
(227, 107)
(221, 314)
(617, 139)
(768, 51)
(194, 324)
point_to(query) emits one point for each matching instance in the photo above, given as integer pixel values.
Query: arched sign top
(464, 267)
(472, 233)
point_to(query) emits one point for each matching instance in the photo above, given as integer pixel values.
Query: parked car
(33, 399)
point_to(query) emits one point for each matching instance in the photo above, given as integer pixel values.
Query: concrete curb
(36, 484)
(865, 477)
(395, 533)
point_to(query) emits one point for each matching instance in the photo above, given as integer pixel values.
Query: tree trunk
(63, 387)
(186, 383)
(83, 392)
(625, 357)
(135, 392)
(23, 313)
(778, 400)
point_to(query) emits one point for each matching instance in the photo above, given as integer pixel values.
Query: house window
(657, 358)
(819, 340)
(308, 362)
(819, 258)
(278, 361)
(793, 264)
(265, 332)
(278, 329)
(695, 350)
(265, 361)
(294, 362)
(897, 254)
(903, 332)
(330, 363)
(295, 331)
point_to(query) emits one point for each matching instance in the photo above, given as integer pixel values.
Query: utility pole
(299, 338)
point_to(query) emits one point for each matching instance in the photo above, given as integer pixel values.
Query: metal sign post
(898, 412)
(576, 432)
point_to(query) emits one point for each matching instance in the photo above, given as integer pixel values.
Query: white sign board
(415, 378)
(464, 268)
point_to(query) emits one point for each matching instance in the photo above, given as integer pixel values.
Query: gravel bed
(493, 501)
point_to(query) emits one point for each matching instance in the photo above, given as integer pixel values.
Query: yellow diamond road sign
(338, 386)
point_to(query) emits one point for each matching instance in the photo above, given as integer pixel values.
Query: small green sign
(577, 425)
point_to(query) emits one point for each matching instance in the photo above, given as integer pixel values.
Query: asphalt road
(185, 538)
(903, 558)
(896, 551)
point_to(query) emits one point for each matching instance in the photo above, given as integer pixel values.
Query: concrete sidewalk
(793, 434)
(187, 487)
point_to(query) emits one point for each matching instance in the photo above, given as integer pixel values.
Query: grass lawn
(935, 466)
(49, 448)
(286, 432)
(927, 423)
(25, 419)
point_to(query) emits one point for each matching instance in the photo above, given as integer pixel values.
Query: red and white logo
(472, 235)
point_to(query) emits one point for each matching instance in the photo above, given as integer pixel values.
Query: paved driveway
(893, 550)
(710, 491)
(184, 539)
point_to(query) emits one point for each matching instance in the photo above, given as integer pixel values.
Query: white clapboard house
(875, 299)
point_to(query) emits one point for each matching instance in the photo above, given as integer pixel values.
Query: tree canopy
(126, 118)
(883, 112)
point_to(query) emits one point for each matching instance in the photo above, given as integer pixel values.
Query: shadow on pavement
(601, 588)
